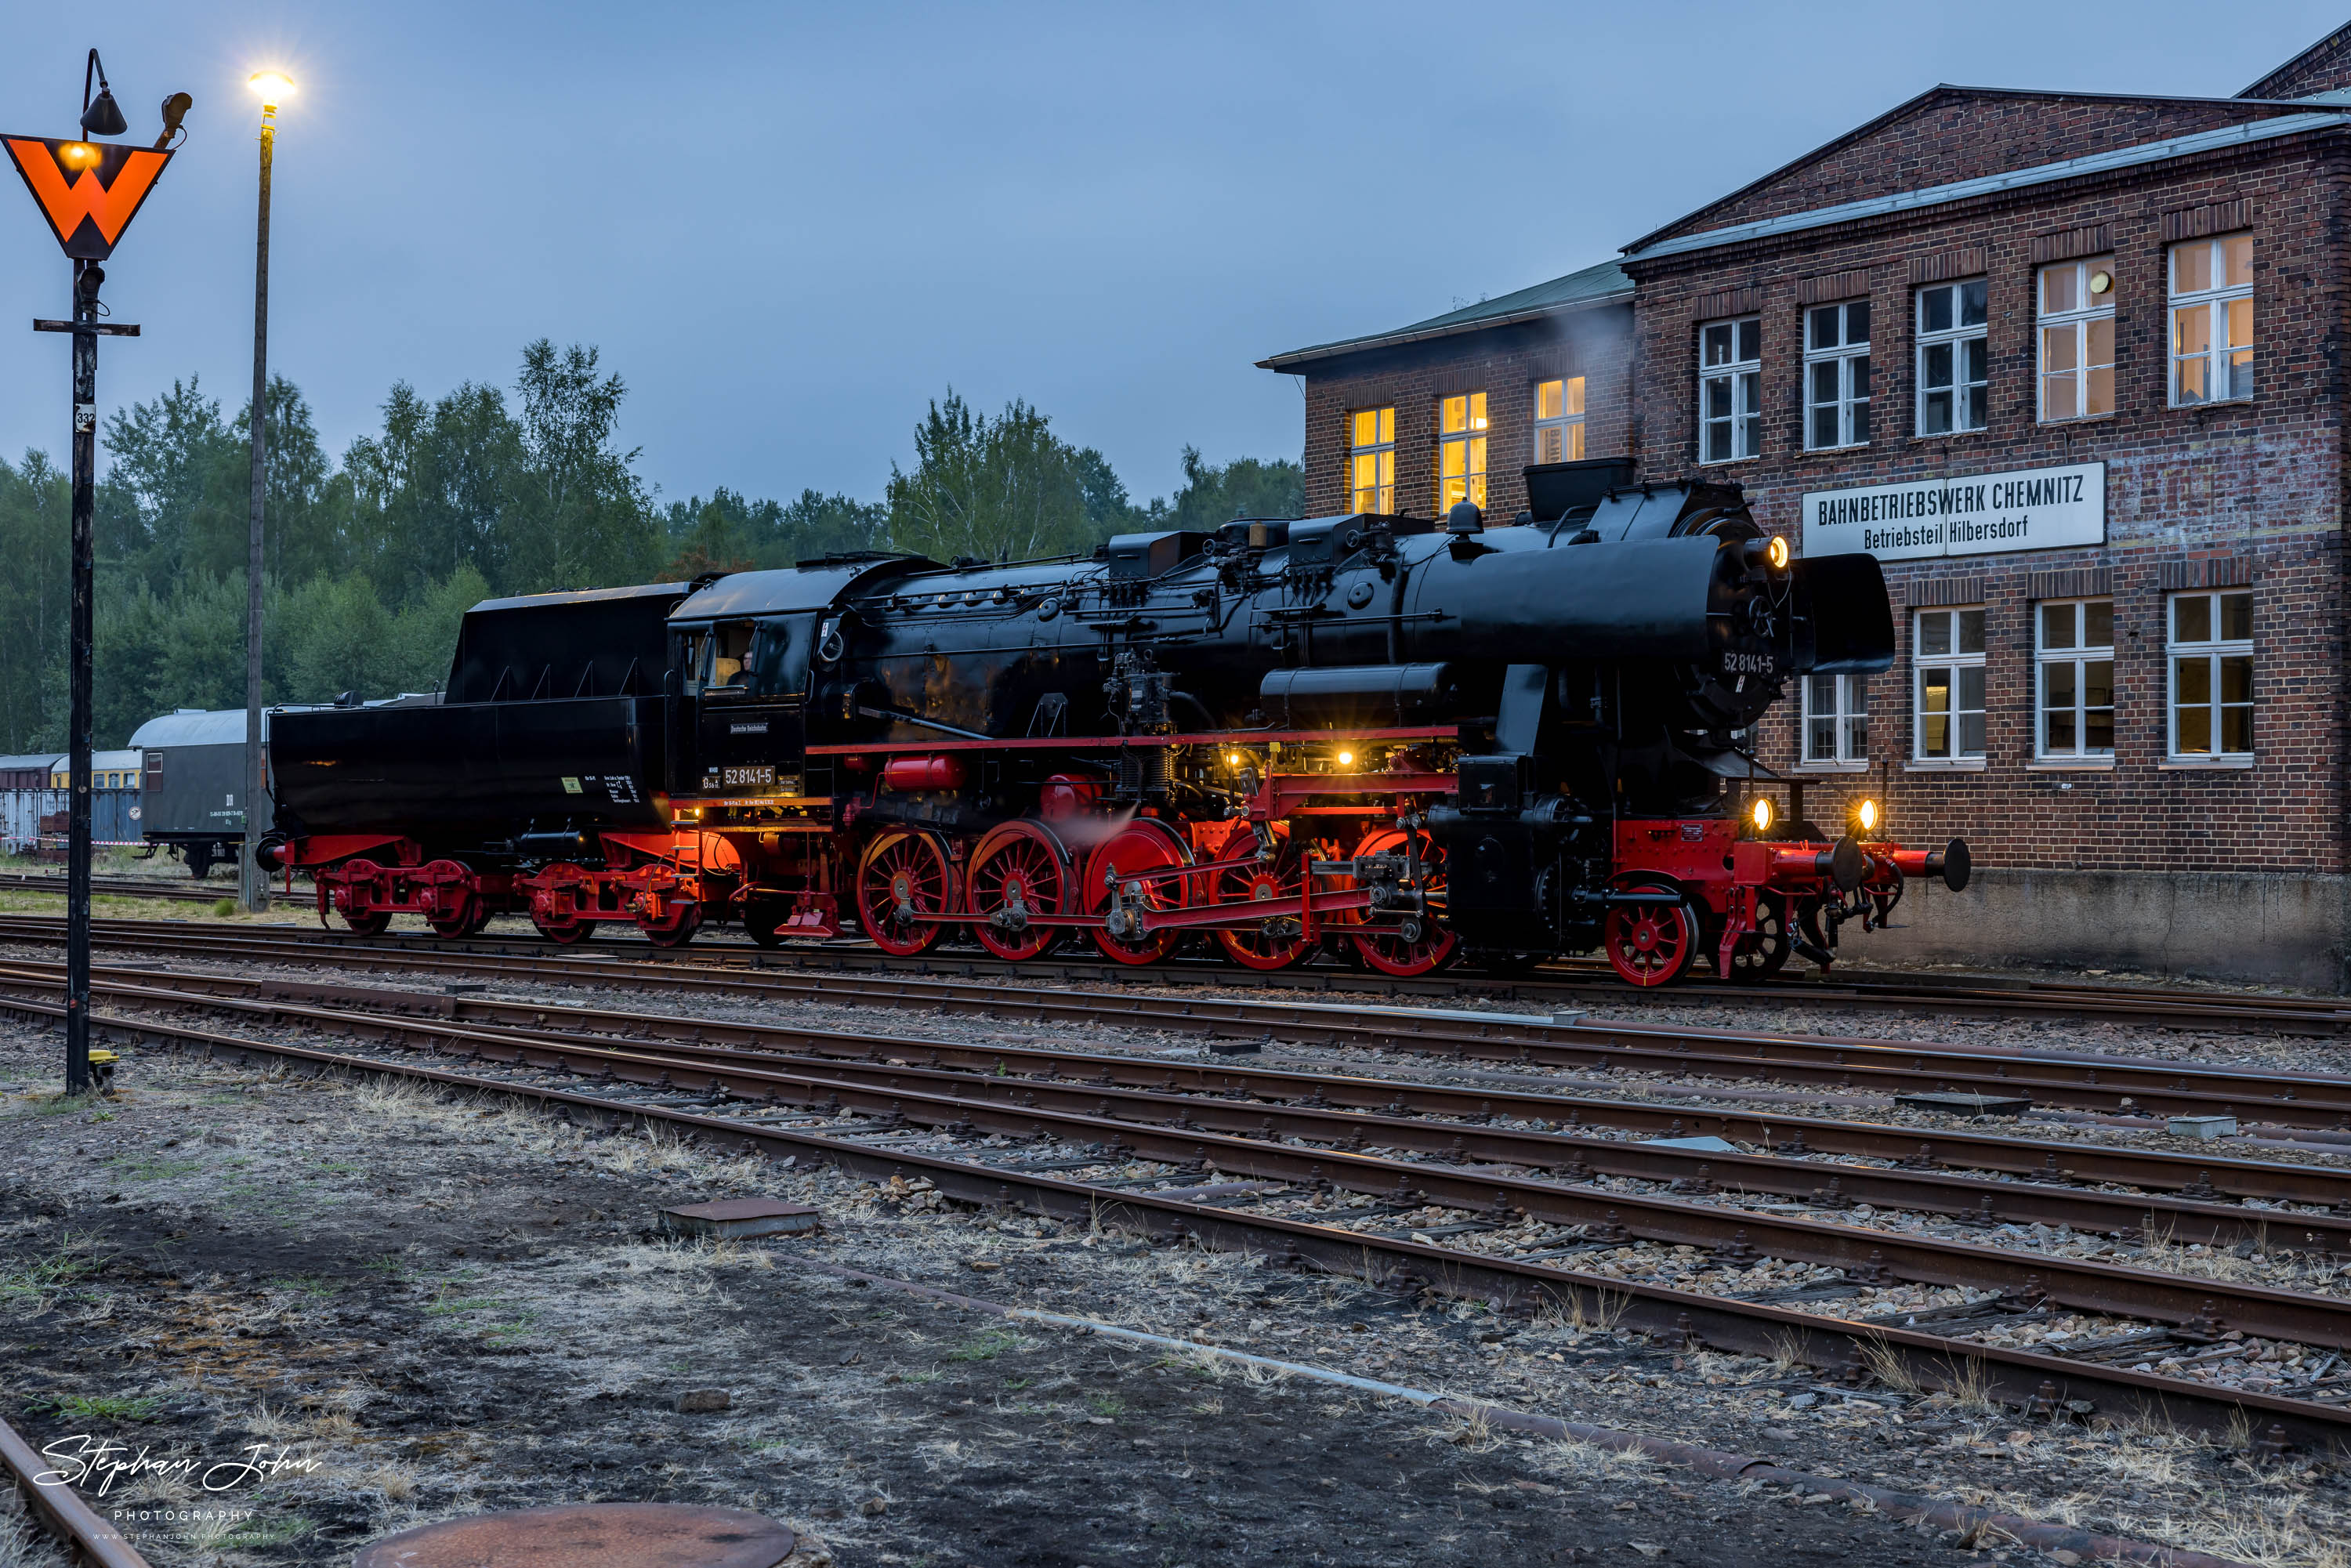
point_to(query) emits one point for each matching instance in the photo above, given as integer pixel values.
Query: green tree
(1213, 495)
(1006, 488)
(175, 460)
(36, 537)
(1108, 510)
(431, 495)
(582, 518)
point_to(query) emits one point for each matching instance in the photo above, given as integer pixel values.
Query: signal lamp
(1865, 816)
(79, 155)
(1776, 552)
(1761, 813)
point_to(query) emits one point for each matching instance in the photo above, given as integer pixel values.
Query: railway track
(2184, 1191)
(87, 1539)
(1563, 986)
(2075, 1080)
(118, 887)
(779, 1098)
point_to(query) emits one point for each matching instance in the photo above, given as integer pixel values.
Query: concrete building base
(2266, 927)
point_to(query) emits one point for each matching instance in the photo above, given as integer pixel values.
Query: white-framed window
(2077, 340)
(1461, 449)
(1836, 720)
(2212, 319)
(1730, 389)
(1954, 361)
(1559, 420)
(1947, 659)
(1371, 460)
(1836, 375)
(2211, 646)
(2073, 650)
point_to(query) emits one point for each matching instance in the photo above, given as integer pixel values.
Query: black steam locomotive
(1374, 735)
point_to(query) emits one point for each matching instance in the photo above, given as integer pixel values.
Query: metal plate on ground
(590, 1536)
(740, 1216)
(1968, 1104)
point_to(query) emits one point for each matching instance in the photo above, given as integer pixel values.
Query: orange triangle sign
(89, 191)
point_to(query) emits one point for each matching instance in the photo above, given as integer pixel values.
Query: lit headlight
(1865, 816)
(1760, 814)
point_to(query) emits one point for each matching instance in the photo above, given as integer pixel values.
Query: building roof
(1593, 285)
(1917, 101)
(1990, 185)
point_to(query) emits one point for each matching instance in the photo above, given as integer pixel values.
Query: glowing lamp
(1865, 816)
(1776, 552)
(273, 86)
(1347, 759)
(1761, 813)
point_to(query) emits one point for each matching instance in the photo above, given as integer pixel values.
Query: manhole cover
(590, 1536)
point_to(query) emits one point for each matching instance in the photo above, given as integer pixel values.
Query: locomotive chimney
(1464, 519)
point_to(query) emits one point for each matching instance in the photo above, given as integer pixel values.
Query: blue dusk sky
(788, 225)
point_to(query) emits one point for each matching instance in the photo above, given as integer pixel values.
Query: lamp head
(175, 110)
(273, 86)
(104, 117)
(100, 116)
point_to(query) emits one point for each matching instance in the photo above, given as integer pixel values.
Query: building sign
(1984, 514)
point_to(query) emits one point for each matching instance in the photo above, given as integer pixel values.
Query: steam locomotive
(1382, 736)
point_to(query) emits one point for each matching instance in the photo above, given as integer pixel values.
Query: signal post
(88, 190)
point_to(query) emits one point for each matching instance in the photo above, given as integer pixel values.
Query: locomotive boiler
(1396, 739)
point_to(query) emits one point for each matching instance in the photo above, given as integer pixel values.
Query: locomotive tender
(1380, 734)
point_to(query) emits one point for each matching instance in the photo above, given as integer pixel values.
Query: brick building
(2071, 366)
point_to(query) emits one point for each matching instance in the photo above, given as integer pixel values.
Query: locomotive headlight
(1865, 816)
(1347, 759)
(1232, 759)
(1776, 552)
(1761, 813)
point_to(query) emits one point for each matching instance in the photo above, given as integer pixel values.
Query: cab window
(694, 646)
(731, 651)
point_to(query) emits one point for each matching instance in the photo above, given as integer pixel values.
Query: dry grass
(1576, 1461)
(1884, 1364)
(1968, 1386)
(22, 1542)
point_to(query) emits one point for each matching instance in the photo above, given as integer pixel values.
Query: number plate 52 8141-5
(758, 778)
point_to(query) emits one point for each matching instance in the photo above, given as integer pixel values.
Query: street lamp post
(253, 888)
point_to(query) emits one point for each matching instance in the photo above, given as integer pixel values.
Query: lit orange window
(1559, 421)
(1371, 460)
(1461, 458)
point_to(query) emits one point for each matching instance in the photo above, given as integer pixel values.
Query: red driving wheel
(1390, 950)
(1275, 944)
(1650, 944)
(1016, 870)
(1129, 855)
(904, 876)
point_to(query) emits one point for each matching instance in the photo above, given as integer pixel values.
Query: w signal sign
(89, 191)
